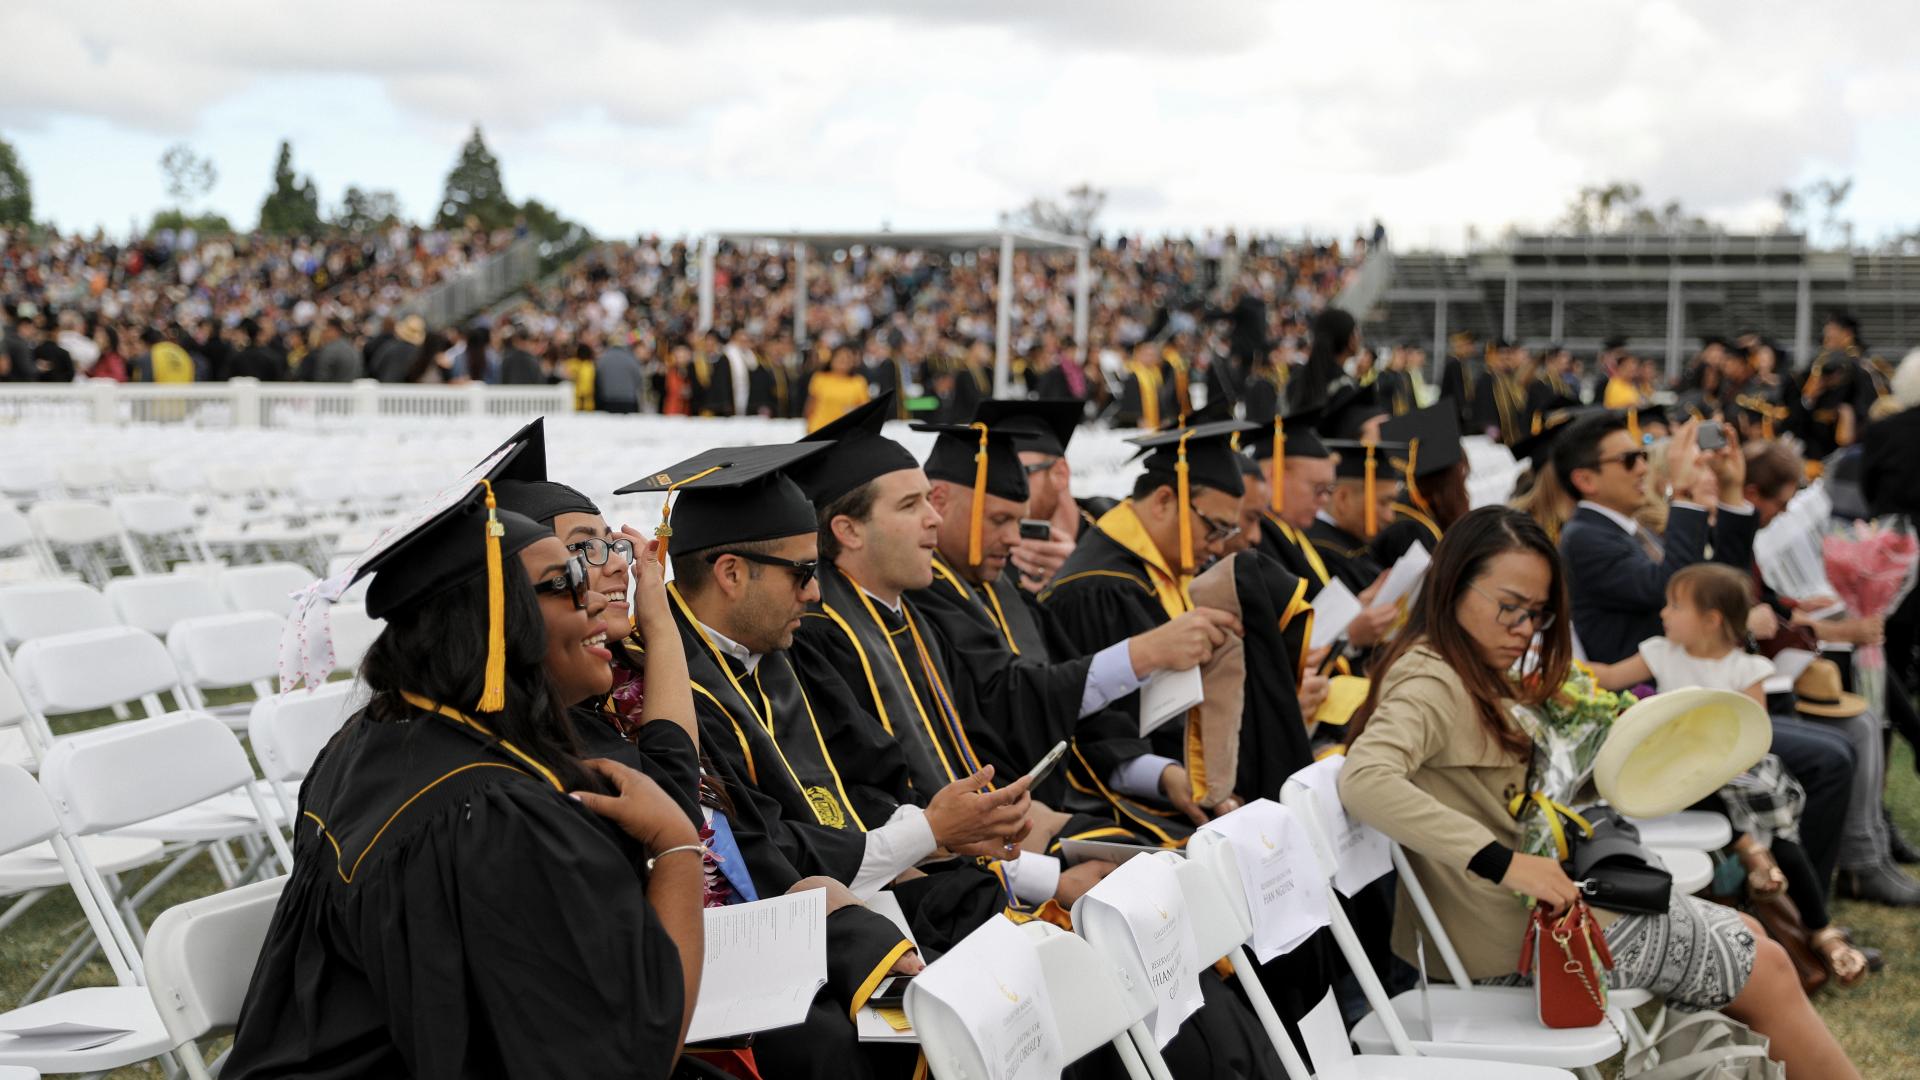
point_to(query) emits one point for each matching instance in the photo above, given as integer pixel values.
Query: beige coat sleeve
(1409, 727)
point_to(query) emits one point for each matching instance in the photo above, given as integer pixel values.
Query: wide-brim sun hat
(1674, 749)
(1820, 692)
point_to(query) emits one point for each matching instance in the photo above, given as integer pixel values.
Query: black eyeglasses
(596, 550)
(1511, 616)
(572, 581)
(1628, 461)
(1218, 531)
(801, 569)
(1038, 466)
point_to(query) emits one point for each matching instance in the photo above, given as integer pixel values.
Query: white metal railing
(249, 403)
(473, 287)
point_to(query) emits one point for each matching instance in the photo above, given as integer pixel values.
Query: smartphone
(1712, 435)
(891, 992)
(1035, 529)
(1039, 771)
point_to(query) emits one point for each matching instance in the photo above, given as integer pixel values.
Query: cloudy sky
(1432, 115)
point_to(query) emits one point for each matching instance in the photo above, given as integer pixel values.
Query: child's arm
(1624, 675)
(1758, 692)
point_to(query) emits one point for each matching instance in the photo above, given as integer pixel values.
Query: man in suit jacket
(1617, 572)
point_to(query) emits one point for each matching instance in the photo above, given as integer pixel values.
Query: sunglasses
(1628, 461)
(801, 569)
(571, 582)
(1218, 531)
(596, 550)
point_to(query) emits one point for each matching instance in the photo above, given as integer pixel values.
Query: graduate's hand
(638, 805)
(1039, 560)
(1372, 624)
(1187, 641)
(651, 612)
(1177, 786)
(1076, 880)
(908, 964)
(1373, 590)
(963, 814)
(838, 895)
(1313, 694)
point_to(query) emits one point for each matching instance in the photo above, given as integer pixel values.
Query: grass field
(1878, 1023)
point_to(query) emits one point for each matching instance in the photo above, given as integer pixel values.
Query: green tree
(474, 189)
(208, 224)
(16, 191)
(292, 208)
(544, 221)
(1074, 216)
(189, 176)
(364, 211)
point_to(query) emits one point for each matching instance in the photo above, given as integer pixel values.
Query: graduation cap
(1363, 462)
(1768, 412)
(979, 457)
(1537, 444)
(1347, 410)
(731, 495)
(1282, 437)
(1432, 436)
(541, 500)
(1202, 454)
(855, 453)
(456, 536)
(1043, 427)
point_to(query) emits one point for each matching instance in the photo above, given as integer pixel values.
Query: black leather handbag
(1613, 869)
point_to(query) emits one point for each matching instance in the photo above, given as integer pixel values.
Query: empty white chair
(199, 959)
(266, 587)
(288, 731)
(354, 631)
(156, 602)
(84, 478)
(85, 533)
(95, 669)
(1701, 830)
(43, 609)
(162, 529)
(218, 651)
(27, 820)
(21, 557)
(26, 479)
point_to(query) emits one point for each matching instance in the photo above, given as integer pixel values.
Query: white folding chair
(86, 534)
(24, 558)
(26, 820)
(1701, 830)
(288, 731)
(44, 609)
(84, 478)
(15, 746)
(215, 652)
(161, 529)
(266, 587)
(200, 957)
(1088, 1011)
(1486, 1022)
(354, 631)
(66, 674)
(156, 602)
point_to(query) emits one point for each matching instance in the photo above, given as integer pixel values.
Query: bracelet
(658, 855)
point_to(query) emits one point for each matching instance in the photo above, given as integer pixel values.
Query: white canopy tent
(1008, 240)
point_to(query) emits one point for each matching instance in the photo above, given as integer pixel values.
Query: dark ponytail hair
(1332, 334)
(1459, 562)
(438, 650)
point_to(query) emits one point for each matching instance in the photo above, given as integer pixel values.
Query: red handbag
(1567, 956)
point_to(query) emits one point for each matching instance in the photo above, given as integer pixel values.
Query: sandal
(1764, 878)
(1848, 964)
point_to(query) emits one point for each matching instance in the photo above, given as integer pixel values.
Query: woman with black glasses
(1434, 760)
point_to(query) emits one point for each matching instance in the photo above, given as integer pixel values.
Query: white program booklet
(1146, 894)
(1279, 873)
(765, 962)
(993, 982)
(1167, 694)
(1333, 611)
(1363, 853)
(1405, 576)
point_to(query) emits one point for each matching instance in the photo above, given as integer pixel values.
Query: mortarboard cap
(981, 458)
(1200, 455)
(1294, 436)
(1044, 427)
(541, 500)
(1345, 413)
(1432, 436)
(856, 453)
(732, 495)
(1367, 463)
(1537, 444)
(456, 536)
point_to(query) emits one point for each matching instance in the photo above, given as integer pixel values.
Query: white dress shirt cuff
(1140, 778)
(898, 845)
(1743, 508)
(1033, 877)
(1109, 679)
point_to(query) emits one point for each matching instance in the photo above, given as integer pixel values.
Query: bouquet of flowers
(1567, 731)
(1871, 566)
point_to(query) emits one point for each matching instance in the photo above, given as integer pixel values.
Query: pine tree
(363, 210)
(474, 189)
(293, 206)
(16, 191)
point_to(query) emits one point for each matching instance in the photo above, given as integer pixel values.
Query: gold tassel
(1633, 425)
(664, 532)
(1413, 477)
(1279, 465)
(979, 497)
(1536, 423)
(1372, 521)
(493, 690)
(1185, 490)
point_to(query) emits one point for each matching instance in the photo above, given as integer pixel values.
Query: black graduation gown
(1396, 392)
(1408, 527)
(1265, 392)
(1345, 554)
(1294, 551)
(767, 390)
(1549, 393)
(891, 374)
(1459, 383)
(447, 903)
(1816, 422)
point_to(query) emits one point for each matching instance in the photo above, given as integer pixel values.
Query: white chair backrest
(93, 669)
(84, 475)
(13, 708)
(115, 776)
(1107, 931)
(1218, 926)
(227, 650)
(43, 609)
(153, 515)
(74, 521)
(15, 530)
(26, 817)
(156, 602)
(289, 730)
(266, 587)
(200, 957)
(354, 631)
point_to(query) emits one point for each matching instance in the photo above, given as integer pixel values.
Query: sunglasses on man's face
(801, 569)
(571, 582)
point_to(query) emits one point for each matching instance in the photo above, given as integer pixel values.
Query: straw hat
(1674, 749)
(412, 330)
(1820, 692)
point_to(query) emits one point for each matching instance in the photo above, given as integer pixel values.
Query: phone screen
(1712, 437)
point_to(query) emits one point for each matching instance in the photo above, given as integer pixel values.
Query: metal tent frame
(1008, 240)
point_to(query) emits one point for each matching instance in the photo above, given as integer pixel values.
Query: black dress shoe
(1902, 851)
(1880, 885)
